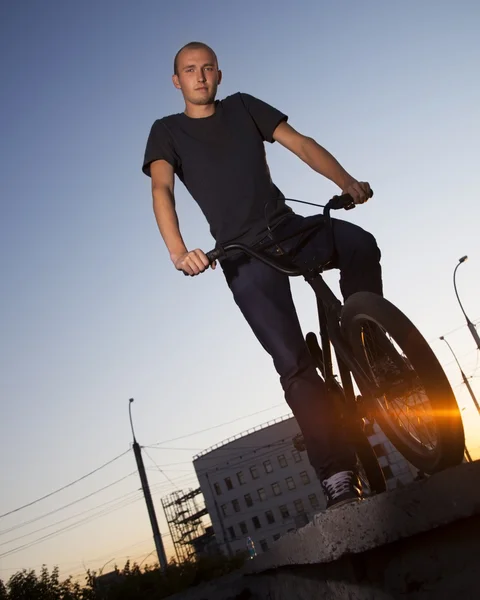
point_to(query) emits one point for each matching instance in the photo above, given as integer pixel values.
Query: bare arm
(320, 160)
(163, 180)
(164, 207)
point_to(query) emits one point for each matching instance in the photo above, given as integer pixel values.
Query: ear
(176, 82)
(220, 75)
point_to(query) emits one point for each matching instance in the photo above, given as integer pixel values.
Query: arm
(163, 179)
(320, 160)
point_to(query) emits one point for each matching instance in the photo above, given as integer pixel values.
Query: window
(261, 494)
(387, 471)
(217, 488)
(248, 500)
(256, 522)
(299, 506)
(314, 501)
(282, 461)
(269, 516)
(297, 457)
(284, 511)
(276, 537)
(254, 472)
(290, 483)
(228, 483)
(268, 466)
(379, 450)
(224, 510)
(369, 430)
(241, 477)
(305, 478)
(231, 533)
(263, 545)
(276, 489)
(243, 527)
(236, 505)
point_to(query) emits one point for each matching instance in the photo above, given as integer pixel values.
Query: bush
(129, 584)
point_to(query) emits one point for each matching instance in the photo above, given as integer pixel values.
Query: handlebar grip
(214, 254)
(344, 201)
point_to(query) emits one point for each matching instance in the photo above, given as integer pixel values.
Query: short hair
(192, 46)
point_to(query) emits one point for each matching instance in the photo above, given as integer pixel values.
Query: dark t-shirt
(221, 160)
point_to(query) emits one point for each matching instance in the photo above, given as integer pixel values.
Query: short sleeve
(266, 117)
(159, 147)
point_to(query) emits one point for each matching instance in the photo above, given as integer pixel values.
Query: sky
(92, 311)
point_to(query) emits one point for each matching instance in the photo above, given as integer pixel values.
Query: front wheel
(421, 416)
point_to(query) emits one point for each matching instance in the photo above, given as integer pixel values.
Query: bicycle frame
(328, 305)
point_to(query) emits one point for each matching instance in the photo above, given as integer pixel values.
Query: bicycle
(418, 412)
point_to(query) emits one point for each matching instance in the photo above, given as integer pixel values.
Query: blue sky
(93, 312)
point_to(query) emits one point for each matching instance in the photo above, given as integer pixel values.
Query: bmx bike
(417, 411)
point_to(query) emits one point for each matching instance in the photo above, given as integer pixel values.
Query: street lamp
(162, 557)
(471, 326)
(464, 377)
(108, 562)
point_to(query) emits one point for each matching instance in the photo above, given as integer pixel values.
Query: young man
(216, 148)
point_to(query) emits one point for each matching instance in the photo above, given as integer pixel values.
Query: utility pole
(162, 558)
(470, 325)
(464, 377)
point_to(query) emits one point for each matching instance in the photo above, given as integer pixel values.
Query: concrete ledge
(422, 506)
(421, 542)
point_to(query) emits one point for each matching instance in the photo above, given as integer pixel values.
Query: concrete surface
(421, 542)
(421, 506)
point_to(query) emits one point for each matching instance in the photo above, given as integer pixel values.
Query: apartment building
(258, 485)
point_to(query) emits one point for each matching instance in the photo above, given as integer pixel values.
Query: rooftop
(242, 434)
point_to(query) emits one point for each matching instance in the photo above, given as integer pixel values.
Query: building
(258, 485)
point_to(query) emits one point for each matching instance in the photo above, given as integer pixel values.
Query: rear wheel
(419, 414)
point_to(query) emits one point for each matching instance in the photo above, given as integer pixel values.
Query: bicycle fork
(329, 308)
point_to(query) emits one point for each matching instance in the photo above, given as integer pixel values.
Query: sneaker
(342, 488)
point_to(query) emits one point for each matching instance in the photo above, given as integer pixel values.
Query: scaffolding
(184, 512)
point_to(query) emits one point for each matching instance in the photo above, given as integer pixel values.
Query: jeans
(264, 297)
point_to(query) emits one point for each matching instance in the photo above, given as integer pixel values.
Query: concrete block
(397, 514)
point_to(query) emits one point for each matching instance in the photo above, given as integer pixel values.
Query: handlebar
(344, 201)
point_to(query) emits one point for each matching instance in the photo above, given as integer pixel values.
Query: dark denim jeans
(264, 297)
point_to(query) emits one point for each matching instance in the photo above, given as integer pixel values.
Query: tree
(3, 591)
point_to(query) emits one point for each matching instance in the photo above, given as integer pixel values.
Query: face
(198, 76)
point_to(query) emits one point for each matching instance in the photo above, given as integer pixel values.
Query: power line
(120, 498)
(181, 437)
(52, 512)
(67, 528)
(11, 512)
(452, 331)
(162, 472)
(461, 356)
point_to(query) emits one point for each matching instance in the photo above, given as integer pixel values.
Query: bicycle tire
(367, 307)
(363, 449)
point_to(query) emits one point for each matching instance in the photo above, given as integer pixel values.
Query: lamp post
(471, 326)
(465, 381)
(162, 559)
(464, 377)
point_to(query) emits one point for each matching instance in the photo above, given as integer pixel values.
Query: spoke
(408, 413)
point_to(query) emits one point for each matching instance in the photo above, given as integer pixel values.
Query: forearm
(167, 221)
(321, 161)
